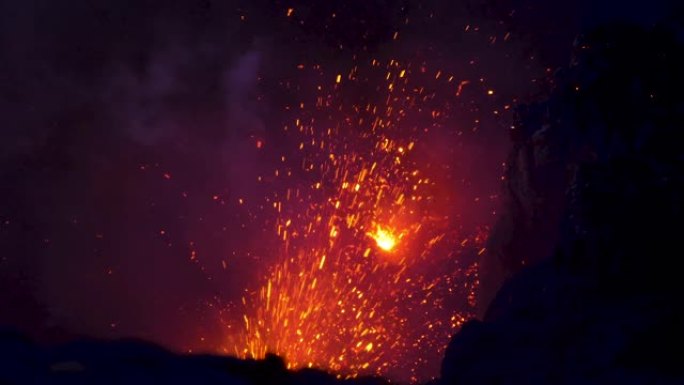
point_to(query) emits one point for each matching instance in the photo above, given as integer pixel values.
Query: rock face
(135, 362)
(591, 236)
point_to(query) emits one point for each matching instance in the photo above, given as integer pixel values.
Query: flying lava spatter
(369, 260)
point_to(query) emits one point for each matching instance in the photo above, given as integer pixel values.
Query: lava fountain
(373, 274)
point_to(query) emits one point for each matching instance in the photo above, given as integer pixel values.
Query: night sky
(139, 139)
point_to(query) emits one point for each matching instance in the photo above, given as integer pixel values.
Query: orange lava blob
(384, 238)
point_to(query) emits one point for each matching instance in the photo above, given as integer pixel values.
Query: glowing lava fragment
(384, 239)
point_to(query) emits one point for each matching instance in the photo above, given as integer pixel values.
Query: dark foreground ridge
(136, 362)
(587, 248)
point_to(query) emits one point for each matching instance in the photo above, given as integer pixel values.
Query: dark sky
(128, 132)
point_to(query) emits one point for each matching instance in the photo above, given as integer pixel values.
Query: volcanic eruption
(371, 258)
(273, 190)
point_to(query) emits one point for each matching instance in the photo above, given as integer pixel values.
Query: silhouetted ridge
(589, 240)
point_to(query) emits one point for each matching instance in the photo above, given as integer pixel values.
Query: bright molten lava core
(384, 239)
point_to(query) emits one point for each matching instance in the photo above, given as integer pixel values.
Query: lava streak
(369, 278)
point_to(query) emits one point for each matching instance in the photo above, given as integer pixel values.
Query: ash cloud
(112, 115)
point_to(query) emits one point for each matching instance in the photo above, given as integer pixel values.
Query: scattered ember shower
(372, 277)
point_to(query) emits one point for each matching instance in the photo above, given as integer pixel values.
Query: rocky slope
(591, 238)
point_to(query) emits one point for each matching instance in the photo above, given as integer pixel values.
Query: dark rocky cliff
(589, 243)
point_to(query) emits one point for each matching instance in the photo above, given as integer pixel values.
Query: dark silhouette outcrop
(592, 231)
